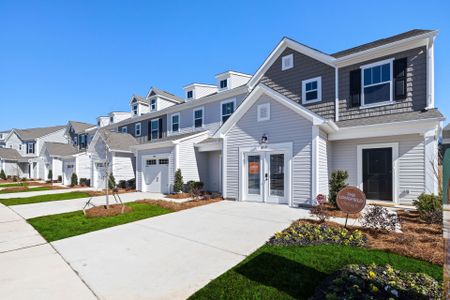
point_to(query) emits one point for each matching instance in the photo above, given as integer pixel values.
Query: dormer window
(287, 62)
(223, 84)
(153, 104)
(98, 123)
(189, 94)
(111, 119)
(135, 109)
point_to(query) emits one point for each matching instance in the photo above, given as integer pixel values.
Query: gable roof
(139, 99)
(59, 149)
(34, 133)
(166, 95)
(170, 140)
(80, 127)
(117, 141)
(9, 154)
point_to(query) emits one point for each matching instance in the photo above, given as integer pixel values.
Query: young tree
(178, 184)
(2, 175)
(74, 180)
(111, 182)
(337, 182)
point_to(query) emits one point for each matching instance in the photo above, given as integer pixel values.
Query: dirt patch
(15, 189)
(180, 206)
(179, 196)
(103, 211)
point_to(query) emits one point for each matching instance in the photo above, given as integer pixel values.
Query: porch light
(264, 140)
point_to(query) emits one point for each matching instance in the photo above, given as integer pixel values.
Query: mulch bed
(180, 206)
(335, 212)
(102, 211)
(103, 192)
(179, 196)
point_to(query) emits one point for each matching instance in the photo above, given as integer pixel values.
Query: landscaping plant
(111, 182)
(320, 211)
(337, 182)
(304, 234)
(59, 178)
(429, 207)
(131, 184)
(74, 180)
(2, 175)
(379, 218)
(50, 175)
(195, 189)
(178, 184)
(378, 282)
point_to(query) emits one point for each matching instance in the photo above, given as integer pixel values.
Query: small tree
(74, 180)
(178, 184)
(2, 175)
(50, 175)
(195, 189)
(111, 182)
(337, 182)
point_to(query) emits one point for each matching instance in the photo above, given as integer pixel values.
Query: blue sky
(76, 60)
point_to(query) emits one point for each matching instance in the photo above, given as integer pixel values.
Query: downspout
(430, 73)
(336, 92)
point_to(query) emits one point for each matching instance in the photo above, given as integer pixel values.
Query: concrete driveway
(39, 193)
(174, 255)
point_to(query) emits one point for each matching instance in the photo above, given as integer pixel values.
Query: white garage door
(68, 170)
(99, 176)
(156, 175)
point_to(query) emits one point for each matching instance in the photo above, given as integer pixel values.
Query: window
(83, 141)
(20, 147)
(198, 118)
(98, 123)
(164, 161)
(150, 162)
(189, 94)
(124, 129)
(30, 148)
(377, 83)
(137, 129)
(111, 119)
(287, 62)
(226, 109)
(153, 104)
(154, 129)
(263, 112)
(135, 109)
(312, 90)
(175, 119)
(223, 83)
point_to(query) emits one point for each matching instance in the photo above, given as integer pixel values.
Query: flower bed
(378, 282)
(304, 233)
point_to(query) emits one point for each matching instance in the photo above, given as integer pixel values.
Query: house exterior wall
(211, 176)
(323, 163)
(411, 162)
(289, 82)
(57, 168)
(83, 166)
(14, 142)
(416, 87)
(284, 126)
(191, 162)
(123, 166)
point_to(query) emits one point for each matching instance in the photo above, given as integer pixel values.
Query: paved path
(33, 210)
(174, 255)
(31, 268)
(38, 193)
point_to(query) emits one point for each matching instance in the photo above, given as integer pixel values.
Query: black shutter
(400, 78)
(149, 130)
(355, 88)
(160, 127)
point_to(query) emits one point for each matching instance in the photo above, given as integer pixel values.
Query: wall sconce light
(264, 140)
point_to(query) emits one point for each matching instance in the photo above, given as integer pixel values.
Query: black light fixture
(264, 140)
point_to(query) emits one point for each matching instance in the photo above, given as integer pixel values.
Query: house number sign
(351, 200)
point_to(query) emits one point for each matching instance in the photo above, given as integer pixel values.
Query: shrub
(88, 182)
(74, 180)
(429, 207)
(337, 182)
(15, 178)
(83, 181)
(304, 234)
(319, 211)
(178, 184)
(59, 178)
(378, 282)
(379, 218)
(2, 175)
(122, 184)
(131, 184)
(50, 175)
(111, 182)
(195, 188)
(23, 179)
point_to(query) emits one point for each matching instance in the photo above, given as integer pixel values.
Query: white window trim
(124, 129)
(203, 117)
(395, 171)
(391, 86)
(221, 108)
(287, 58)
(189, 98)
(151, 128)
(220, 82)
(261, 106)
(135, 111)
(171, 122)
(156, 104)
(136, 126)
(319, 90)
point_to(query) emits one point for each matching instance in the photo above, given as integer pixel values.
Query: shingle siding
(289, 82)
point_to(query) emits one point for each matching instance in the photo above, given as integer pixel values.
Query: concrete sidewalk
(31, 268)
(39, 193)
(33, 210)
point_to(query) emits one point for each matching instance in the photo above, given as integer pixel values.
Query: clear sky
(76, 60)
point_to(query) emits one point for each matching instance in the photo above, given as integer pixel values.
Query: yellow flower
(372, 275)
(374, 289)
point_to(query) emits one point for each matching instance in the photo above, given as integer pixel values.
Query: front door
(377, 173)
(100, 176)
(265, 179)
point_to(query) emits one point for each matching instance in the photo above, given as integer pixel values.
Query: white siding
(284, 126)
(123, 166)
(55, 137)
(11, 168)
(411, 173)
(139, 162)
(83, 166)
(323, 163)
(212, 176)
(57, 168)
(161, 103)
(191, 161)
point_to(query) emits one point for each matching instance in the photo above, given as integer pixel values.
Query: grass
(35, 189)
(12, 184)
(65, 225)
(294, 272)
(44, 198)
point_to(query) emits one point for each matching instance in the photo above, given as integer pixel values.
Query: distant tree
(178, 184)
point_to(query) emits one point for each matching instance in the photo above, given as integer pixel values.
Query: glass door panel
(254, 174)
(276, 176)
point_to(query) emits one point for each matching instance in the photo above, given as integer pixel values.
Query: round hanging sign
(351, 200)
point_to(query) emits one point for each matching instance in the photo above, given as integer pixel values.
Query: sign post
(350, 200)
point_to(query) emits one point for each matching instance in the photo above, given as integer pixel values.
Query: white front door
(156, 175)
(264, 177)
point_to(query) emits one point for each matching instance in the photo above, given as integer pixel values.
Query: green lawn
(33, 189)
(65, 225)
(294, 272)
(12, 184)
(44, 198)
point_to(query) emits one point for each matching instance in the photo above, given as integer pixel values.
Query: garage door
(156, 175)
(68, 170)
(99, 176)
